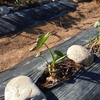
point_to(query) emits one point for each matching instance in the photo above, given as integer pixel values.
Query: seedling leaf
(61, 58)
(39, 54)
(99, 39)
(92, 40)
(58, 53)
(40, 41)
(97, 24)
(53, 71)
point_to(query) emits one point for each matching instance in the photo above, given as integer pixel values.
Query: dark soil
(94, 47)
(61, 71)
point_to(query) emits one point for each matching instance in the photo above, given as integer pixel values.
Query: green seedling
(97, 25)
(97, 38)
(18, 2)
(39, 43)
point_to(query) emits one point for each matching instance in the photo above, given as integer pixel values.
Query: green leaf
(18, 1)
(53, 71)
(98, 38)
(39, 54)
(97, 24)
(58, 53)
(40, 41)
(92, 40)
(61, 58)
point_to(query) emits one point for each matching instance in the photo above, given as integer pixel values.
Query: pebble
(4, 10)
(22, 88)
(80, 54)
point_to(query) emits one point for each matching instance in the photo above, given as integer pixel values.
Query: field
(14, 47)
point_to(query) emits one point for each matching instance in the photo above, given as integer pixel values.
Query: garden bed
(66, 70)
(78, 87)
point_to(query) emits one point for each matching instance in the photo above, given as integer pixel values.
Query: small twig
(16, 34)
(86, 15)
(55, 25)
(61, 24)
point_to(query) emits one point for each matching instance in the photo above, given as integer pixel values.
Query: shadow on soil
(64, 22)
(51, 11)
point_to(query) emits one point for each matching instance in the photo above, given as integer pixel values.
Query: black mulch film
(84, 85)
(16, 21)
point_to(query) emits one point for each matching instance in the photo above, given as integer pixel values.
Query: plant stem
(61, 58)
(45, 60)
(53, 59)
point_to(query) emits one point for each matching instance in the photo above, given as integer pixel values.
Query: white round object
(80, 54)
(22, 88)
(4, 10)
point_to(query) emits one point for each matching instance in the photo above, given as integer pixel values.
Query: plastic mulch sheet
(18, 20)
(84, 85)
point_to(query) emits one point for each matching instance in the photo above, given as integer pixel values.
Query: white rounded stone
(80, 54)
(22, 88)
(4, 10)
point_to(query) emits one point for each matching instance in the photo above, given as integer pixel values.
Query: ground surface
(14, 48)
